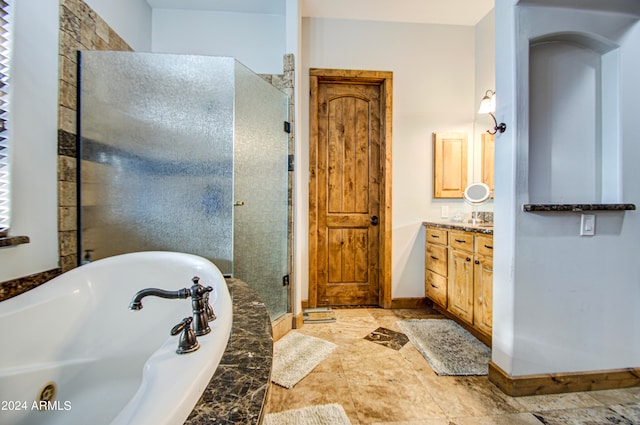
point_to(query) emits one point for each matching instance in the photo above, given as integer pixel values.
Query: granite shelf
(13, 240)
(577, 207)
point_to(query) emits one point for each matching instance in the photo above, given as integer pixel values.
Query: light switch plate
(587, 225)
(444, 211)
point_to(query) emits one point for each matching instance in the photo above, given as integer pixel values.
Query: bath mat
(448, 348)
(326, 414)
(388, 338)
(295, 355)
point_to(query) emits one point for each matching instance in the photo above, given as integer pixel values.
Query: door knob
(374, 220)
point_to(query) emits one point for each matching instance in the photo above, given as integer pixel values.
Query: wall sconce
(488, 106)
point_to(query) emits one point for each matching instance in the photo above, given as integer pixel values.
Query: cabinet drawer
(435, 288)
(438, 236)
(461, 241)
(484, 245)
(436, 258)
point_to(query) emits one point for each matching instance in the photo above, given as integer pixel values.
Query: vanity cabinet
(462, 285)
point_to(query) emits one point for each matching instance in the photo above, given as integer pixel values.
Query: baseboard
(281, 326)
(555, 383)
(411, 303)
(298, 321)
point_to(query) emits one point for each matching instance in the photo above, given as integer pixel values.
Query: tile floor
(376, 384)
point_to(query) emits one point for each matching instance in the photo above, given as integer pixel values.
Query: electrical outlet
(587, 225)
(444, 211)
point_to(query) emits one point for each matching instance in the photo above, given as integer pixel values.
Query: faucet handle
(188, 342)
(211, 316)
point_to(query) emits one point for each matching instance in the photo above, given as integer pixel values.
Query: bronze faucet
(202, 311)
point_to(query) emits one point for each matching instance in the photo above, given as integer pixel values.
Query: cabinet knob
(468, 259)
(477, 261)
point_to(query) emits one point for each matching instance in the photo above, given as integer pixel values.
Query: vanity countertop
(238, 389)
(486, 228)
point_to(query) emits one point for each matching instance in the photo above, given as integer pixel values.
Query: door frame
(385, 80)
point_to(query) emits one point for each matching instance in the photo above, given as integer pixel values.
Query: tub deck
(238, 389)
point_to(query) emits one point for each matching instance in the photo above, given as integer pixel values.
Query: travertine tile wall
(82, 29)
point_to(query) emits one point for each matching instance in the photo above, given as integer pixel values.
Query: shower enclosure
(185, 153)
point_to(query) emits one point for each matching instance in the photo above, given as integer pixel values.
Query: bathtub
(76, 339)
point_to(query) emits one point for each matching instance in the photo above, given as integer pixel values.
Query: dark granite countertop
(486, 229)
(238, 389)
(577, 207)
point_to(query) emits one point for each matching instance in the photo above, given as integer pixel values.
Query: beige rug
(327, 414)
(295, 355)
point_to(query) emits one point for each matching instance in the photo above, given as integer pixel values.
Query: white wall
(563, 303)
(131, 19)
(256, 40)
(433, 90)
(485, 79)
(33, 124)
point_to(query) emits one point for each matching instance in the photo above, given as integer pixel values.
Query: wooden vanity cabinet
(465, 289)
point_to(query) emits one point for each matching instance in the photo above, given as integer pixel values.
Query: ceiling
(451, 12)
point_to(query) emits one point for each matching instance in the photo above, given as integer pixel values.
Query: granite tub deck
(238, 389)
(486, 228)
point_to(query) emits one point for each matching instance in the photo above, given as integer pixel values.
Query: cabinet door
(483, 294)
(449, 164)
(488, 152)
(460, 288)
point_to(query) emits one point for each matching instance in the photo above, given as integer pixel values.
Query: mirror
(476, 194)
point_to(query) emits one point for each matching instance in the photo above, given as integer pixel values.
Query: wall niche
(573, 123)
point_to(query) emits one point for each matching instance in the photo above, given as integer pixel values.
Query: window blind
(4, 109)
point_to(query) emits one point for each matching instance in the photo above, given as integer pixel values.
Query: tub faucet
(199, 303)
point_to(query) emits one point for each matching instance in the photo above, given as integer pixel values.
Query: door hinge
(290, 162)
(285, 280)
(287, 127)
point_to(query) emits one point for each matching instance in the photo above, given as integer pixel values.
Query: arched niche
(573, 119)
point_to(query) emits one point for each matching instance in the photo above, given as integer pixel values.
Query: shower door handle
(374, 220)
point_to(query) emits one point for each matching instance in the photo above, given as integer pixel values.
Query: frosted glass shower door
(156, 155)
(261, 185)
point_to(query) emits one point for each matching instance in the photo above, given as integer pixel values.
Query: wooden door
(347, 193)
(460, 290)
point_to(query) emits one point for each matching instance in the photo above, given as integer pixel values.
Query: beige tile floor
(379, 385)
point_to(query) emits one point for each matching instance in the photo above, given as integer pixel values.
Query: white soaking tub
(72, 352)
